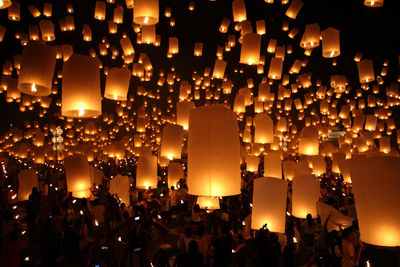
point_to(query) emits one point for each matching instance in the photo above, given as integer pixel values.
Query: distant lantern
(213, 152)
(27, 179)
(309, 141)
(146, 12)
(239, 10)
(87, 33)
(370, 123)
(373, 3)
(289, 169)
(311, 36)
(281, 126)
(171, 143)
(14, 11)
(100, 10)
(330, 43)
(78, 174)
(5, 4)
(119, 185)
(250, 51)
(182, 113)
(37, 69)
(126, 46)
(294, 9)
(264, 129)
(273, 165)
(384, 144)
(219, 69)
(47, 9)
(376, 193)
(208, 203)
(173, 47)
(198, 49)
(366, 71)
(269, 204)
(275, 68)
(47, 30)
(118, 14)
(146, 172)
(305, 194)
(2, 32)
(81, 94)
(175, 173)
(252, 163)
(117, 84)
(149, 34)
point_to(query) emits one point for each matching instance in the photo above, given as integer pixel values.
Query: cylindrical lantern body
(213, 152)
(37, 69)
(77, 172)
(311, 36)
(309, 141)
(252, 163)
(305, 196)
(171, 145)
(146, 173)
(146, 12)
(330, 43)
(119, 185)
(239, 11)
(100, 10)
(269, 204)
(81, 94)
(294, 9)
(27, 179)
(117, 84)
(376, 193)
(366, 71)
(264, 129)
(273, 165)
(250, 51)
(182, 113)
(175, 173)
(289, 169)
(275, 68)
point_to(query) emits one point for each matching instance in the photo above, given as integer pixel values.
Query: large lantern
(273, 165)
(119, 185)
(81, 94)
(78, 174)
(182, 113)
(175, 173)
(171, 144)
(252, 163)
(146, 12)
(305, 196)
(213, 152)
(309, 141)
(269, 204)
(146, 173)
(330, 43)
(117, 84)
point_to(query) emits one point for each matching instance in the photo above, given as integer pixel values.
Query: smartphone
(137, 218)
(104, 247)
(137, 249)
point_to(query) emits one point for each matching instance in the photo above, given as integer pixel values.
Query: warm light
(33, 88)
(146, 20)
(81, 111)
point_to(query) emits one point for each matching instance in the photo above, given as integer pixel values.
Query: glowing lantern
(370, 123)
(146, 172)
(289, 169)
(250, 51)
(171, 145)
(13, 10)
(100, 10)
(47, 30)
(173, 47)
(252, 163)
(213, 152)
(275, 68)
(27, 179)
(281, 125)
(119, 185)
(366, 71)
(81, 94)
(149, 34)
(117, 84)
(330, 43)
(311, 36)
(77, 172)
(219, 69)
(239, 10)
(37, 69)
(175, 173)
(5, 4)
(305, 196)
(373, 3)
(182, 113)
(127, 47)
(309, 141)
(384, 144)
(273, 165)
(344, 167)
(294, 9)
(146, 12)
(375, 186)
(269, 204)
(264, 129)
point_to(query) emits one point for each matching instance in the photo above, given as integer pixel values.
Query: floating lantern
(219, 69)
(146, 12)
(146, 173)
(275, 68)
(47, 30)
(373, 3)
(366, 71)
(171, 145)
(175, 173)
(330, 43)
(309, 141)
(250, 51)
(252, 163)
(239, 11)
(77, 172)
(100, 10)
(182, 113)
(294, 9)
(311, 36)
(273, 165)
(305, 196)
(117, 84)
(264, 129)
(119, 185)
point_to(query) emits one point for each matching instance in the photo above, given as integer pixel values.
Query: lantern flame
(146, 20)
(33, 87)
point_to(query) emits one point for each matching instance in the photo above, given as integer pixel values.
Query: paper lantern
(264, 129)
(2, 32)
(47, 30)
(117, 84)
(269, 204)
(250, 51)
(14, 10)
(330, 43)
(273, 165)
(337, 220)
(47, 9)
(309, 141)
(318, 164)
(175, 173)
(294, 9)
(384, 144)
(37, 69)
(146, 12)
(149, 34)
(305, 194)
(27, 179)
(173, 47)
(77, 173)
(288, 169)
(213, 152)
(5, 4)
(171, 145)
(366, 71)
(146, 172)
(376, 193)
(81, 95)
(182, 113)
(252, 163)
(239, 10)
(100, 10)
(370, 123)
(344, 167)
(373, 3)
(198, 49)
(281, 126)
(311, 36)
(219, 69)
(119, 185)
(275, 68)
(209, 203)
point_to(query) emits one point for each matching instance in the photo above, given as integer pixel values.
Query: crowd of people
(164, 226)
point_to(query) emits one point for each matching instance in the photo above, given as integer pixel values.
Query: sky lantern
(305, 194)
(117, 84)
(126, 46)
(373, 3)
(264, 129)
(288, 169)
(146, 12)
(375, 186)
(27, 179)
(47, 30)
(175, 173)
(309, 141)
(384, 144)
(146, 172)
(14, 11)
(273, 165)
(311, 36)
(213, 152)
(100, 10)
(294, 9)
(37, 69)
(275, 68)
(269, 204)
(119, 185)
(252, 163)
(250, 51)
(330, 43)
(219, 69)
(77, 172)
(171, 144)
(239, 11)
(81, 95)
(366, 71)
(182, 113)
